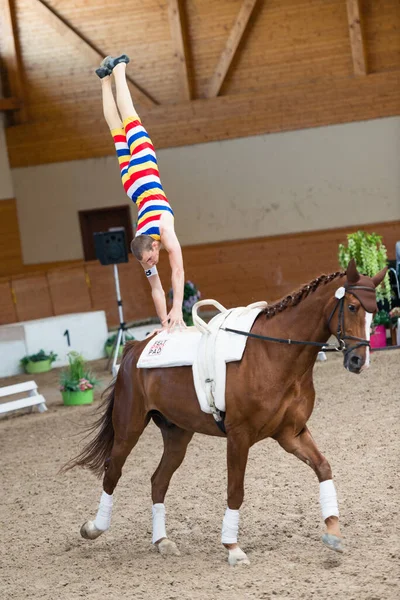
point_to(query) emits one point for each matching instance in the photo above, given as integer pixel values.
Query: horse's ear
(379, 277)
(352, 274)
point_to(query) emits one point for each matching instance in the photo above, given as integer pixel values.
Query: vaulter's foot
(109, 62)
(103, 72)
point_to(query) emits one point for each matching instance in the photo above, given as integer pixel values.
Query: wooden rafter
(357, 42)
(87, 48)
(231, 46)
(180, 48)
(11, 56)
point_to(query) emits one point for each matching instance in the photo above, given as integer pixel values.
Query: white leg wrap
(103, 517)
(230, 527)
(159, 531)
(328, 499)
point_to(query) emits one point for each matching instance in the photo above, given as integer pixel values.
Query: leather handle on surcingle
(198, 321)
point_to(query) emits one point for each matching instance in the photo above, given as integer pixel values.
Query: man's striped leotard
(140, 176)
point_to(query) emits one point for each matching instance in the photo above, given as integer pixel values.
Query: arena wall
(266, 185)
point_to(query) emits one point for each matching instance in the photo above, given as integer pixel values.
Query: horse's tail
(96, 452)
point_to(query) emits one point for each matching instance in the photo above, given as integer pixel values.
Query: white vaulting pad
(175, 349)
(207, 351)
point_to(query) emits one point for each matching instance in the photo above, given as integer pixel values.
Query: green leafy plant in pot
(370, 255)
(109, 345)
(38, 363)
(77, 382)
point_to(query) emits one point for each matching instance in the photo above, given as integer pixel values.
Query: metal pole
(121, 329)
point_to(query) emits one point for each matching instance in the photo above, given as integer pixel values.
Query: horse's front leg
(237, 453)
(304, 447)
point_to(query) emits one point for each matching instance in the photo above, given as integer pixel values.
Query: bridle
(340, 335)
(340, 332)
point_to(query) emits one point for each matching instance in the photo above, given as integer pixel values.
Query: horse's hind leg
(176, 441)
(121, 449)
(304, 447)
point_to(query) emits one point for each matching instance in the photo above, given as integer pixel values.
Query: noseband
(340, 332)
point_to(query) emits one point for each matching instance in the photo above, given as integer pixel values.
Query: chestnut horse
(269, 393)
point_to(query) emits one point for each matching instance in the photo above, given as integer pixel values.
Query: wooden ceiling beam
(11, 57)
(231, 46)
(87, 48)
(357, 41)
(180, 46)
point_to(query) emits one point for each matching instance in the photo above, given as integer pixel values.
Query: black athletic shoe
(110, 62)
(102, 72)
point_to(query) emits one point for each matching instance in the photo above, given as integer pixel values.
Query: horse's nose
(355, 363)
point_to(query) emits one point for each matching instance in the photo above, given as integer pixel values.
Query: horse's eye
(352, 308)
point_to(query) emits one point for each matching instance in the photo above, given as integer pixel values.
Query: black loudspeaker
(110, 247)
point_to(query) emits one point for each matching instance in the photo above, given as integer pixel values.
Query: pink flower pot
(378, 338)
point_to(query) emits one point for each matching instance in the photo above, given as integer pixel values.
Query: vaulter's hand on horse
(174, 319)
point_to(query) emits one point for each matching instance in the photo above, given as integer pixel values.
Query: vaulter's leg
(304, 447)
(237, 454)
(176, 441)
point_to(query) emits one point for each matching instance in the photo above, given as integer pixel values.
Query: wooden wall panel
(10, 245)
(234, 273)
(293, 70)
(69, 290)
(237, 273)
(7, 306)
(32, 297)
(102, 290)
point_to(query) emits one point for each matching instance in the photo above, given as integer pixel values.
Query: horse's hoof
(237, 557)
(333, 542)
(168, 548)
(89, 531)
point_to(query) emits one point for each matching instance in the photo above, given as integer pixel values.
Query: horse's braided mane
(296, 297)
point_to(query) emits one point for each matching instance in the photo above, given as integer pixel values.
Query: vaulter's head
(146, 250)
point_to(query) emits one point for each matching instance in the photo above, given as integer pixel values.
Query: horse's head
(351, 317)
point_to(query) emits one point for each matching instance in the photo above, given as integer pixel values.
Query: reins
(340, 333)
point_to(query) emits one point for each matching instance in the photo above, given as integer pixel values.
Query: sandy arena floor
(356, 425)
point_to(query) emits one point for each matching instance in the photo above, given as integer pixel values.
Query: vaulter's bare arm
(158, 296)
(172, 246)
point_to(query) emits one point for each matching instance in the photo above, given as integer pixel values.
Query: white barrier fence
(32, 399)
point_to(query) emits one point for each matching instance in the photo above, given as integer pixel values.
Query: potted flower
(370, 255)
(380, 322)
(77, 382)
(109, 344)
(39, 362)
(191, 295)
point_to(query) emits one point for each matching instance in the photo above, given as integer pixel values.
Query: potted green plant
(109, 344)
(77, 382)
(39, 362)
(370, 255)
(191, 295)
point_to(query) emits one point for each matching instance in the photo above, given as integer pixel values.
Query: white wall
(251, 187)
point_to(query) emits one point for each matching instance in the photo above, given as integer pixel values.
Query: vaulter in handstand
(141, 181)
